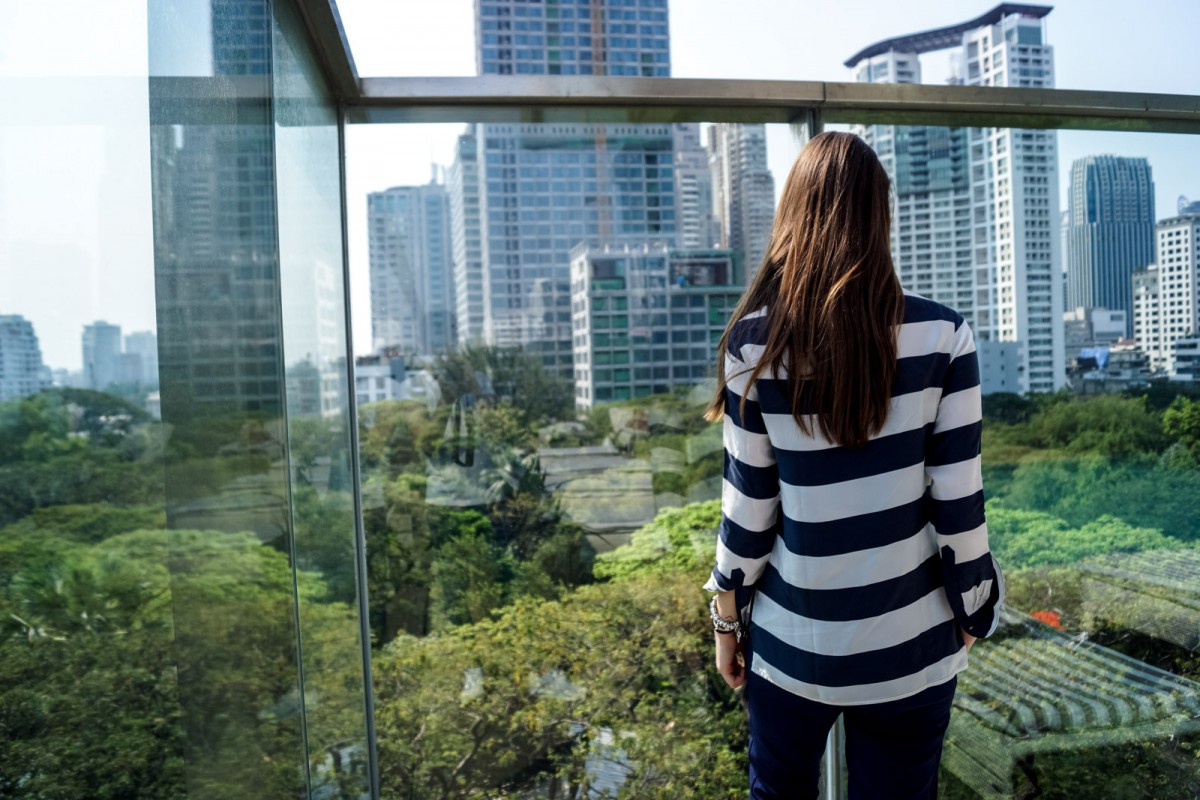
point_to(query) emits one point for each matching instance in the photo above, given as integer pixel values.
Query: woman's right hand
(731, 662)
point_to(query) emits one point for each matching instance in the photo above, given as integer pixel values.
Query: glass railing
(538, 527)
(179, 591)
(189, 606)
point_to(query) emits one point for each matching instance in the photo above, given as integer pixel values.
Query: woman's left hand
(731, 661)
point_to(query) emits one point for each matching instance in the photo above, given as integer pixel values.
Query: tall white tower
(977, 219)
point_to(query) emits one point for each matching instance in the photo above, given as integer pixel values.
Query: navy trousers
(892, 749)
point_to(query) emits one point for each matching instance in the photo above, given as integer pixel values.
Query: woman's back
(850, 548)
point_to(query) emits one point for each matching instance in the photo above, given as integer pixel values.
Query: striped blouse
(866, 561)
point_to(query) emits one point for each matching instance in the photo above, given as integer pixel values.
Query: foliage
(535, 691)
(1182, 421)
(507, 374)
(135, 659)
(1082, 489)
(677, 539)
(74, 446)
(397, 435)
(1111, 424)
(1021, 538)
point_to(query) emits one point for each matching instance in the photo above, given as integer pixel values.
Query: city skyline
(367, 144)
(96, 180)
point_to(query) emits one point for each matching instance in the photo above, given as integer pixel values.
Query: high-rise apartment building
(743, 190)
(646, 317)
(101, 355)
(1167, 294)
(144, 344)
(977, 220)
(412, 289)
(544, 188)
(1110, 230)
(21, 371)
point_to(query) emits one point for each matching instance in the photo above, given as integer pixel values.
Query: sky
(75, 228)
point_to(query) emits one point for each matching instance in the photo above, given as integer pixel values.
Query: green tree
(1111, 425)
(1182, 421)
(1022, 538)
(133, 659)
(469, 580)
(507, 374)
(495, 707)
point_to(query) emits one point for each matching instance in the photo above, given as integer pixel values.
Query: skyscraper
(101, 355)
(412, 291)
(1110, 232)
(694, 200)
(572, 37)
(977, 208)
(544, 188)
(20, 358)
(743, 190)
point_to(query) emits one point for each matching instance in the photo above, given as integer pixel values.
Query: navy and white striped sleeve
(750, 490)
(953, 469)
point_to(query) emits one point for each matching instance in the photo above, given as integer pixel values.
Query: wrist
(723, 624)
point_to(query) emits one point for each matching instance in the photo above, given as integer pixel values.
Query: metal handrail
(547, 98)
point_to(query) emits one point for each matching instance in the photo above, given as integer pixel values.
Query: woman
(853, 501)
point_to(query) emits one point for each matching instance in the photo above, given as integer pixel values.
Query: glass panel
(221, 361)
(1067, 248)
(324, 514)
(90, 658)
(1089, 497)
(501, 478)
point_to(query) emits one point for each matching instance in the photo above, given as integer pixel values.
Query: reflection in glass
(323, 512)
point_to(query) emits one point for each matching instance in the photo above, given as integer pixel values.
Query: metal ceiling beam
(331, 46)
(605, 99)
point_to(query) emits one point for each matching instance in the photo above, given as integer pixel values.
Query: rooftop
(943, 38)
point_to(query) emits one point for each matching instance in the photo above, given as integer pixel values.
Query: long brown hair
(832, 296)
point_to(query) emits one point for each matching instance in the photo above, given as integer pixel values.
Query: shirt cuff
(718, 582)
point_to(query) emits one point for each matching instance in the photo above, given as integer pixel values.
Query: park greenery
(510, 658)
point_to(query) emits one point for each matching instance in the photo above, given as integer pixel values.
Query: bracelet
(725, 624)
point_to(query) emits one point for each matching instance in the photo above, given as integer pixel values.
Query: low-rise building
(1186, 362)
(1122, 366)
(647, 318)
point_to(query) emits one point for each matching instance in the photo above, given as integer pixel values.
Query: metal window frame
(553, 98)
